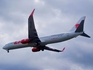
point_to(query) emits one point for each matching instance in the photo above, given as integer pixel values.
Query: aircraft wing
(55, 50)
(32, 33)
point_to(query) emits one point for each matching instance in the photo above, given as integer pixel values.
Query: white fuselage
(44, 41)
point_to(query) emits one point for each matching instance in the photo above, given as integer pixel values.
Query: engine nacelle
(24, 41)
(35, 49)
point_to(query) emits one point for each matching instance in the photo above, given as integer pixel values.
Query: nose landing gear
(7, 51)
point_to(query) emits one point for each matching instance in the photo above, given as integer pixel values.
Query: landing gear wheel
(8, 51)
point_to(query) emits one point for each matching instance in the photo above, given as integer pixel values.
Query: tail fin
(79, 26)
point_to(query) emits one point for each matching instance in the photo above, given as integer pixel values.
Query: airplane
(39, 44)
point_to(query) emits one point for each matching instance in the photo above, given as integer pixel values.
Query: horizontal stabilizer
(85, 35)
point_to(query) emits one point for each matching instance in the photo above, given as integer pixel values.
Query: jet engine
(35, 49)
(24, 41)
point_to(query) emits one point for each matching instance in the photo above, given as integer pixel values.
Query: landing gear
(37, 44)
(41, 47)
(7, 51)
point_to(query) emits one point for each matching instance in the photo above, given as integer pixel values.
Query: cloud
(51, 17)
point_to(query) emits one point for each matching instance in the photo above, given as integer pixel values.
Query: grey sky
(51, 17)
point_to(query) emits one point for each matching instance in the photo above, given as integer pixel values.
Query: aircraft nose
(5, 47)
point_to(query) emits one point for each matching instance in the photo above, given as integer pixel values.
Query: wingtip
(32, 13)
(63, 49)
(84, 18)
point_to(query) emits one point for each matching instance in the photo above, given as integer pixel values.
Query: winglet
(32, 13)
(63, 49)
